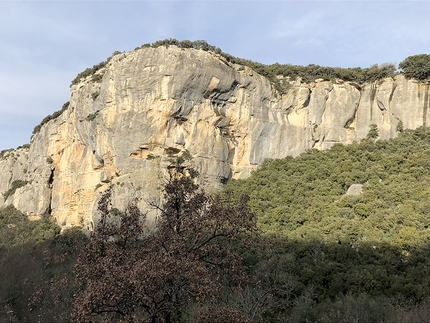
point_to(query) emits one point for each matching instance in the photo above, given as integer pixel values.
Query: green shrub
(97, 78)
(92, 70)
(187, 155)
(36, 268)
(373, 132)
(400, 127)
(91, 116)
(416, 66)
(307, 73)
(14, 186)
(4, 152)
(25, 146)
(55, 115)
(374, 244)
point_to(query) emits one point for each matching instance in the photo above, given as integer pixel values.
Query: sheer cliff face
(148, 108)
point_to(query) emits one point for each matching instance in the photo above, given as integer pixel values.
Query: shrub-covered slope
(338, 257)
(36, 264)
(305, 198)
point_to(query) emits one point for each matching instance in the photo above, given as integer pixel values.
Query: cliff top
(273, 72)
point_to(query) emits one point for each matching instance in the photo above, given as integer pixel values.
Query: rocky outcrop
(151, 108)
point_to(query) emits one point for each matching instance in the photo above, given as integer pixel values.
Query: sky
(45, 44)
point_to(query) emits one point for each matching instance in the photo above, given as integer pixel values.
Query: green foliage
(8, 152)
(373, 132)
(13, 187)
(17, 230)
(312, 72)
(198, 44)
(171, 151)
(5, 152)
(91, 71)
(400, 127)
(294, 193)
(25, 146)
(94, 95)
(416, 66)
(374, 244)
(307, 73)
(151, 156)
(36, 264)
(91, 116)
(187, 155)
(55, 115)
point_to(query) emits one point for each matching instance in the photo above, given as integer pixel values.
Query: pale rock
(153, 105)
(354, 190)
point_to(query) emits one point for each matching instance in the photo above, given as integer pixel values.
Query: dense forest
(343, 250)
(288, 244)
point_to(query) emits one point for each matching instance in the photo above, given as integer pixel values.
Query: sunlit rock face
(149, 109)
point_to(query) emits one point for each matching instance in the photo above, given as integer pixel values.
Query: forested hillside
(365, 253)
(320, 254)
(305, 197)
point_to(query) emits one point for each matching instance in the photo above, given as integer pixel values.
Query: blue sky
(45, 44)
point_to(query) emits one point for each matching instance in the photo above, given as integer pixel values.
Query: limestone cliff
(145, 109)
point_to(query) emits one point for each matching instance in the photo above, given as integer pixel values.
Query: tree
(134, 273)
(416, 66)
(400, 128)
(373, 132)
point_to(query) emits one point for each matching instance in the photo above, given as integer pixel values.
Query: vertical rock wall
(151, 108)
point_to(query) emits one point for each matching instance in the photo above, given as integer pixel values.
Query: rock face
(151, 108)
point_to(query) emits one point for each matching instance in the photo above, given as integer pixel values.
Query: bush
(307, 73)
(373, 132)
(416, 66)
(55, 115)
(15, 185)
(36, 265)
(92, 70)
(91, 116)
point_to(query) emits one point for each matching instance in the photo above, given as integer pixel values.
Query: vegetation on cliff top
(272, 72)
(55, 115)
(417, 67)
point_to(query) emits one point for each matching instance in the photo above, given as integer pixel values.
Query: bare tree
(127, 273)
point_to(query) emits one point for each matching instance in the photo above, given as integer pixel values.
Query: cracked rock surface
(156, 107)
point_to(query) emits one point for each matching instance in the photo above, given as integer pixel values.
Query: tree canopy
(134, 272)
(320, 255)
(416, 66)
